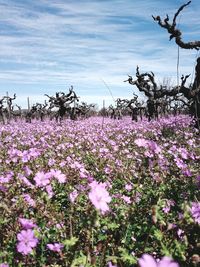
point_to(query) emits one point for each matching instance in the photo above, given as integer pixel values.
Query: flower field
(100, 193)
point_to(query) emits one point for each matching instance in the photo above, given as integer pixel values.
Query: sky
(48, 45)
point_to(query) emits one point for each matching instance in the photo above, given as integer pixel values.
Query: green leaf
(113, 226)
(70, 242)
(158, 234)
(165, 250)
(127, 257)
(82, 259)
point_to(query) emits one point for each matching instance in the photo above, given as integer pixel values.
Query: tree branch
(176, 33)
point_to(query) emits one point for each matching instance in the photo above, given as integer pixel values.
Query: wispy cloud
(46, 45)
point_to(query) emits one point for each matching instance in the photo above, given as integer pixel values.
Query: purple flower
(29, 200)
(34, 152)
(27, 170)
(27, 223)
(7, 178)
(26, 241)
(24, 180)
(149, 261)
(169, 203)
(195, 211)
(56, 247)
(187, 172)
(3, 188)
(25, 156)
(180, 164)
(154, 147)
(4, 265)
(198, 181)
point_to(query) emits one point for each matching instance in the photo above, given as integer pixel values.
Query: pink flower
(149, 261)
(107, 170)
(42, 179)
(111, 265)
(56, 247)
(166, 209)
(59, 176)
(141, 142)
(128, 187)
(26, 241)
(59, 225)
(99, 196)
(73, 195)
(180, 233)
(126, 199)
(27, 223)
(49, 190)
(184, 153)
(4, 265)
(51, 162)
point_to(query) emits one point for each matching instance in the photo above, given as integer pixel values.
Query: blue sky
(48, 45)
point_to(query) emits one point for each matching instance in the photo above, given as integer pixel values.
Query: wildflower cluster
(79, 194)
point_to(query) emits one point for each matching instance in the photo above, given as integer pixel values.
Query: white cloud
(46, 45)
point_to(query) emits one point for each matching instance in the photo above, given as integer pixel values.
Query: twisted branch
(176, 33)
